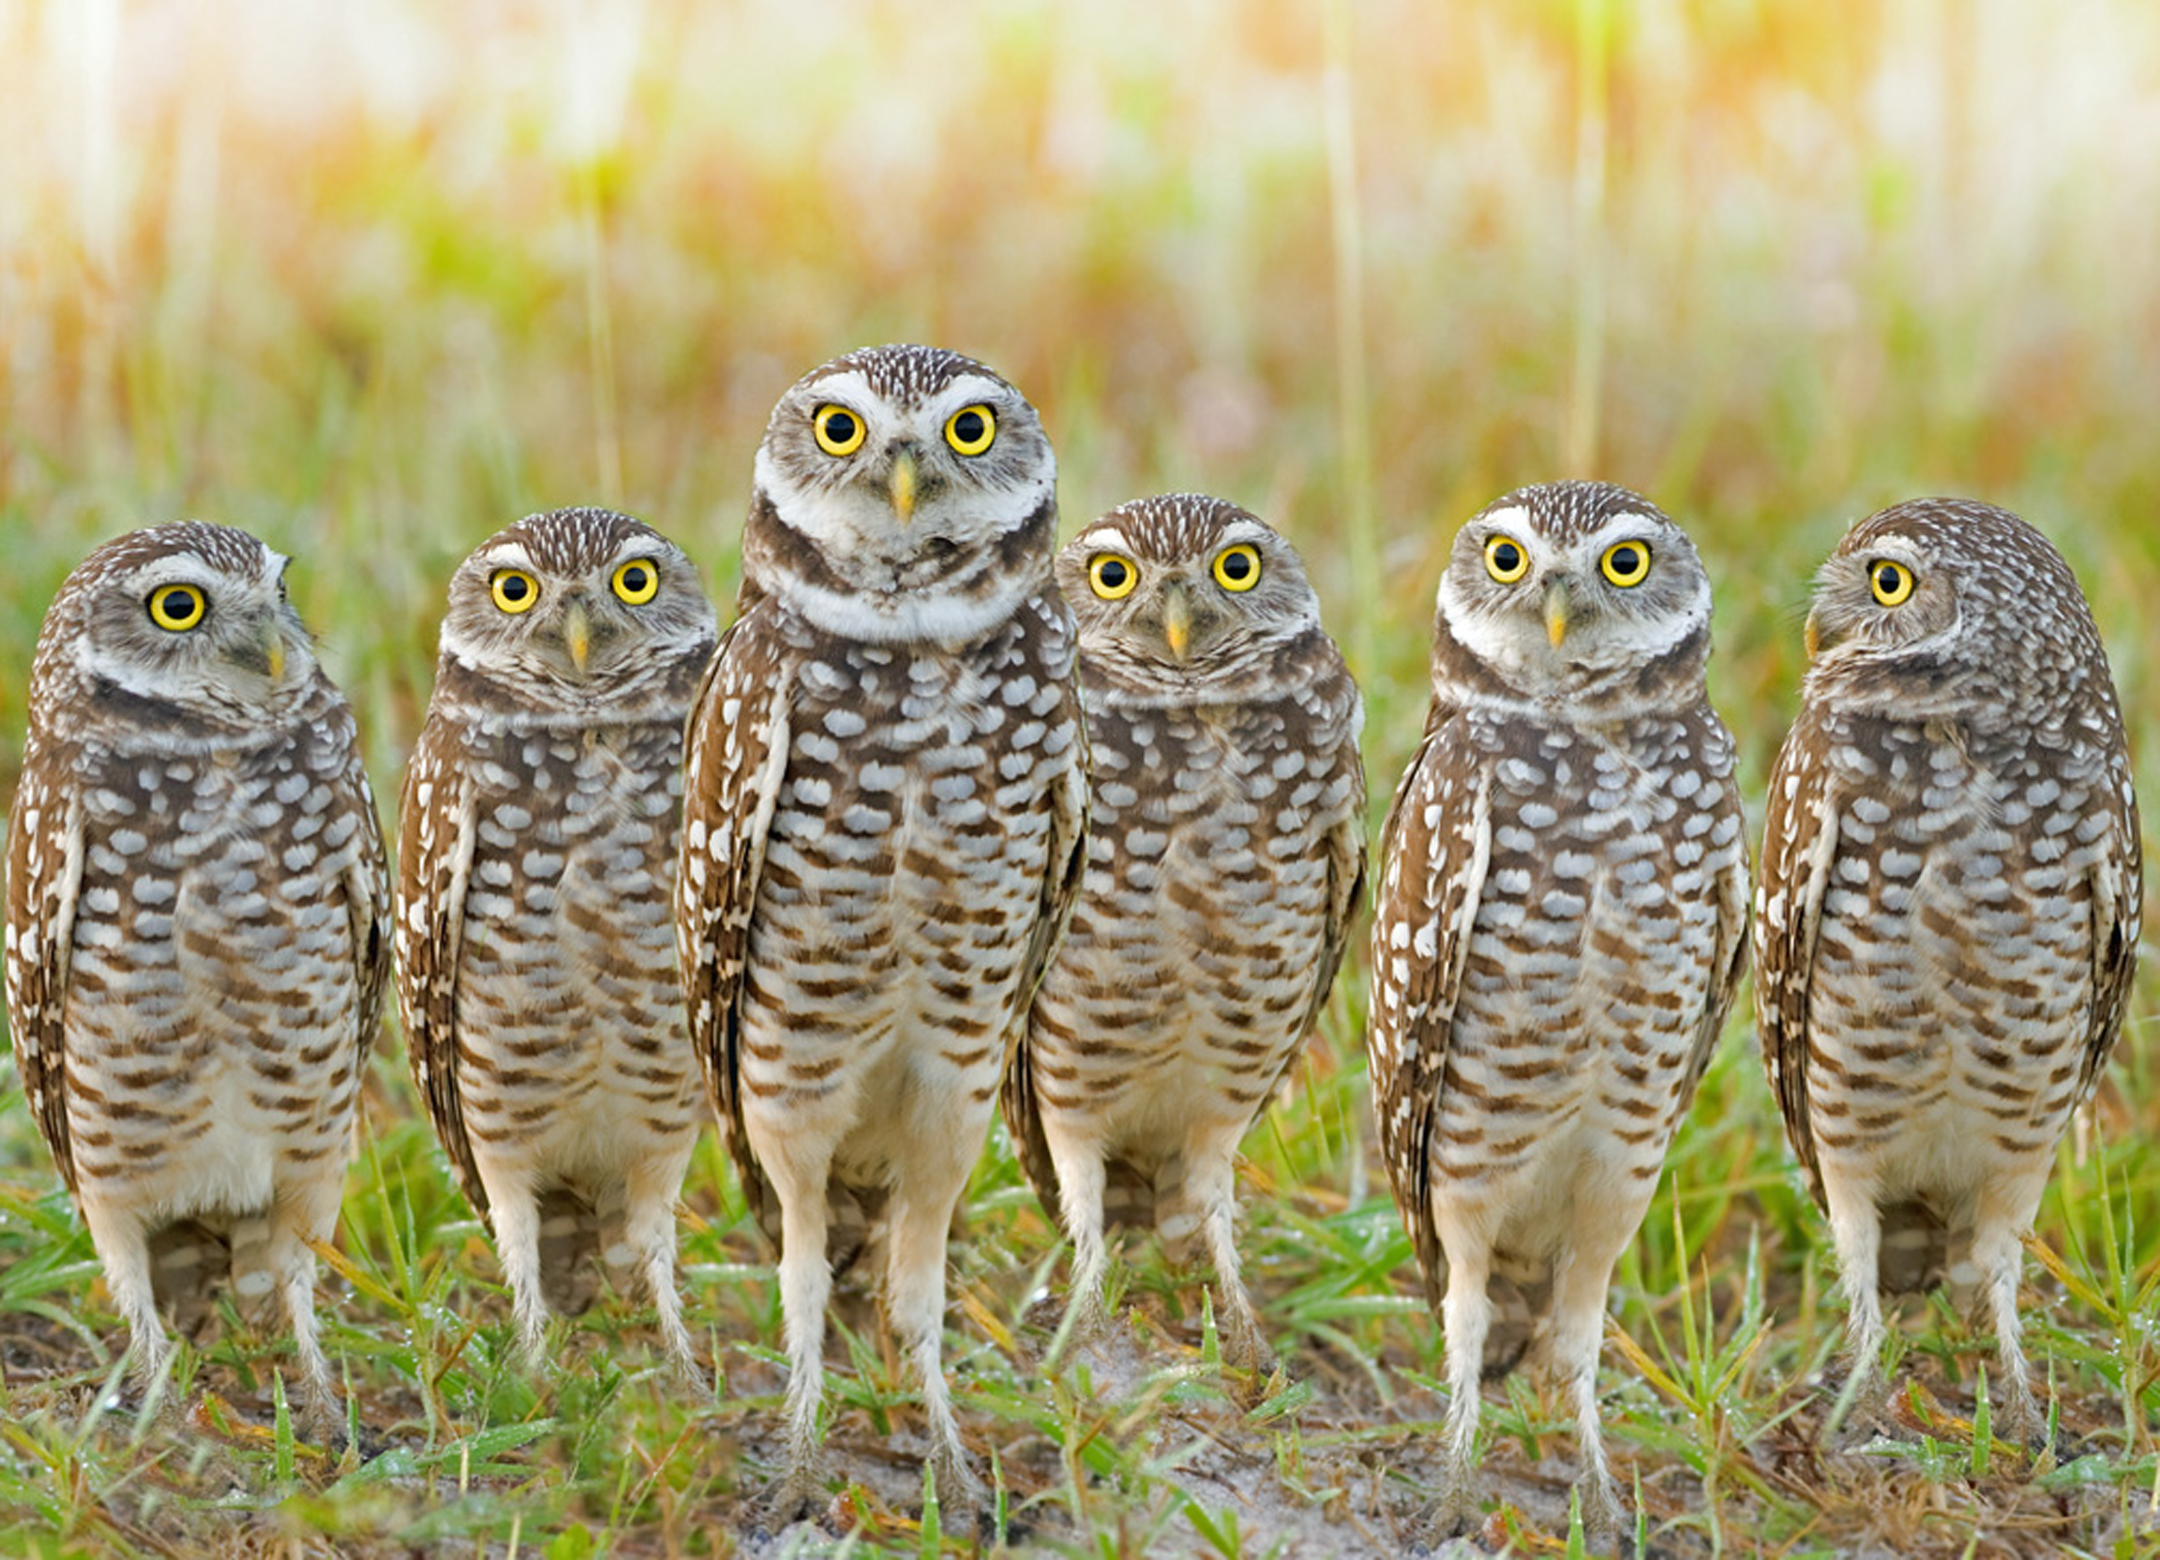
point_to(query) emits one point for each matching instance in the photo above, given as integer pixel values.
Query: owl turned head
(188, 620)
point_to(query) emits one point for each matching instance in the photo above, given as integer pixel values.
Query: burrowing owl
(884, 811)
(535, 941)
(1560, 926)
(1226, 854)
(197, 924)
(1948, 914)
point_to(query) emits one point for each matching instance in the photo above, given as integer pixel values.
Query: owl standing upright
(197, 928)
(1560, 924)
(535, 935)
(884, 813)
(1948, 916)
(1226, 854)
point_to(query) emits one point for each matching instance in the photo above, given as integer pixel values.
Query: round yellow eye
(177, 608)
(839, 431)
(514, 590)
(971, 429)
(1505, 559)
(637, 581)
(1890, 580)
(1238, 568)
(1626, 563)
(1112, 576)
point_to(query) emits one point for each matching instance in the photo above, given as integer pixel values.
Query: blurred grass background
(374, 279)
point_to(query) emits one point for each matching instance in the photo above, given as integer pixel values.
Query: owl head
(577, 611)
(1183, 593)
(187, 623)
(902, 493)
(1930, 604)
(1574, 593)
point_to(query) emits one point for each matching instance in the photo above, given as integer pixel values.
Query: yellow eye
(637, 581)
(839, 431)
(177, 608)
(1626, 563)
(1238, 568)
(1112, 576)
(971, 429)
(1505, 559)
(1890, 580)
(514, 590)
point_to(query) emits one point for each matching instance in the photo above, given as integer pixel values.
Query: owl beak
(577, 634)
(1177, 620)
(1556, 609)
(1819, 638)
(274, 650)
(901, 485)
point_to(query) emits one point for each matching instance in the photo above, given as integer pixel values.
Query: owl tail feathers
(1519, 1305)
(189, 1264)
(1915, 1252)
(569, 1251)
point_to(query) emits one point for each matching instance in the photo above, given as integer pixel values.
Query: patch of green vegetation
(1826, 257)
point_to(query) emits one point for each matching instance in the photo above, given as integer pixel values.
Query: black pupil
(633, 579)
(1237, 566)
(1627, 560)
(968, 427)
(177, 604)
(839, 427)
(1887, 580)
(1507, 557)
(1113, 574)
(513, 588)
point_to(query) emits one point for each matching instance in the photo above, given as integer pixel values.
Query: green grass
(373, 290)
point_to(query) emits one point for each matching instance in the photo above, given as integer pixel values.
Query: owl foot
(961, 1495)
(796, 1496)
(1604, 1518)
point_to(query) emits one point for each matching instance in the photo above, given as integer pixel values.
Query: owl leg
(515, 1213)
(649, 1231)
(1082, 1176)
(1212, 1185)
(915, 1304)
(124, 1252)
(2000, 1256)
(1466, 1316)
(291, 1262)
(1856, 1232)
(1582, 1280)
(798, 1170)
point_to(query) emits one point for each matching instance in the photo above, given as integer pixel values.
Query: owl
(1948, 916)
(1560, 924)
(1226, 857)
(197, 930)
(883, 821)
(535, 934)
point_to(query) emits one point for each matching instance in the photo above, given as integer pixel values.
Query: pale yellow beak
(1820, 639)
(577, 634)
(1177, 620)
(902, 485)
(274, 649)
(1556, 611)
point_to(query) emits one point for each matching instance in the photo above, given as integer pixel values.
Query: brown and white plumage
(1948, 914)
(536, 860)
(1226, 855)
(1559, 927)
(196, 928)
(884, 809)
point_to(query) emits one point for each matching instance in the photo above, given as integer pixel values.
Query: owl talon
(796, 1496)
